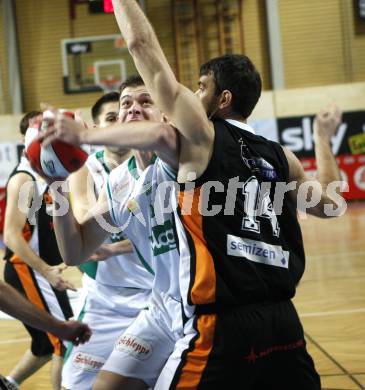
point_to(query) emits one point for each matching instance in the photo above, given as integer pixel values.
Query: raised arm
(176, 101)
(325, 126)
(326, 185)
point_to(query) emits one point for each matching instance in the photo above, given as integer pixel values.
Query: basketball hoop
(109, 73)
(110, 84)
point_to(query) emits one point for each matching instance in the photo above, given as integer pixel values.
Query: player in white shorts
(144, 348)
(141, 353)
(117, 287)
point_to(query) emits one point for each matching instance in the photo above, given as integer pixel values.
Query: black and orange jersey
(244, 247)
(38, 230)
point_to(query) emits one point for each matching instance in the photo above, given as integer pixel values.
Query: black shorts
(257, 348)
(38, 291)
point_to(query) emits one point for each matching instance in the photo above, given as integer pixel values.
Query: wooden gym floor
(330, 300)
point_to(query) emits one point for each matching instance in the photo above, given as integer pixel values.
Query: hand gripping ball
(56, 160)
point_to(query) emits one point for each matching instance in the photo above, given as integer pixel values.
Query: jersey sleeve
(167, 169)
(119, 187)
(283, 161)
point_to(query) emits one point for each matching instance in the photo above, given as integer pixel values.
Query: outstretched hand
(74, 331)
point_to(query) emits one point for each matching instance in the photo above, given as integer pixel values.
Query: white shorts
(82, 363)
(142, 351)
(171, 366)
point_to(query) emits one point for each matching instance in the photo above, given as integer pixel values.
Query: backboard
(95, 63)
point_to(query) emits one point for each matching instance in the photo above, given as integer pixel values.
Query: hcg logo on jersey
(163, 238)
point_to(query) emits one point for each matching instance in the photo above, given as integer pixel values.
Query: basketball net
(110, 84)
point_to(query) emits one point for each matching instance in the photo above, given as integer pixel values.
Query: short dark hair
(132, 81)
(24, 122)
(97, 107)
(237, 74)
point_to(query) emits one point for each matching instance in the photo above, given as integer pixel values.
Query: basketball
(56, 160)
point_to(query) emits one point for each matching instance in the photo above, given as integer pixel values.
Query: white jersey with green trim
(144, 210)
(123, 270)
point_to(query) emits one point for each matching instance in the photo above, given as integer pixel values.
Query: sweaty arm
(22, 185)
(180, 104)
(83, 199)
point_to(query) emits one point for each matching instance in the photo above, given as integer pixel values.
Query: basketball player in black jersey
(244, 265)
(33, 264)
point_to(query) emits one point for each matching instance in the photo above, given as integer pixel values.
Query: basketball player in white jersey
(140, 354)
(118, 287)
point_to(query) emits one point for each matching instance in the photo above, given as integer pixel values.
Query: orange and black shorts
(260, 347)
(38, 291)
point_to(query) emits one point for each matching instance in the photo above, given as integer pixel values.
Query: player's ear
(225, 99)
